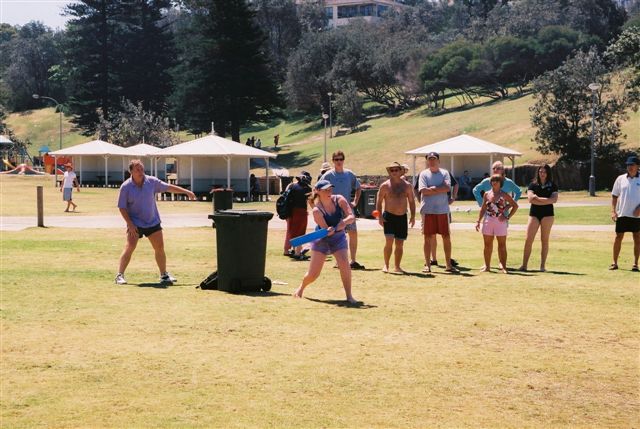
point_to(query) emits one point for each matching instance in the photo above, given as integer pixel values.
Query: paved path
(189, 220)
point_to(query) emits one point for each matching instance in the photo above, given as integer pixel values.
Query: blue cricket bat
(307, 238)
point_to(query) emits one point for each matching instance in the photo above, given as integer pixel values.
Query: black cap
(633, 159)
(433, 155)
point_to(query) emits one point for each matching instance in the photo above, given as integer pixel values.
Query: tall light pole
(330, 125)
(325, 116)
(594, 87)
(58, 106)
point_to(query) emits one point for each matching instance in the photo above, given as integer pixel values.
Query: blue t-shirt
(140, 201)
(343, 183)
(434, 204)
(508, 186)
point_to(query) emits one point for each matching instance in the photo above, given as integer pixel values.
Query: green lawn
(525, 350)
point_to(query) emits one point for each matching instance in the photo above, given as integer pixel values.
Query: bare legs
(488, 250)
(353, 244)
(397, 255)
(532, 229)
(157, 242)
(617, 245)
(315, 267)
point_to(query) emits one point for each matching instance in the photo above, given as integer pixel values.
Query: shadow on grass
(312, 127)
(343, 303)
(563, 273)
(295, 158)
(412, 274)
(156, 285)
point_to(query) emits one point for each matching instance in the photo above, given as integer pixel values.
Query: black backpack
(283, 204)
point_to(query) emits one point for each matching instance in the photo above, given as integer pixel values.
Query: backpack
(283, 204)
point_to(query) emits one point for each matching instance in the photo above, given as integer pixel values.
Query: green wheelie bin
(241, 239)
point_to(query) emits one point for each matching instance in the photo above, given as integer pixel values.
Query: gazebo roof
(464, 145)
(5, 140)
(95, 147)
(214, 146)
(142, 149)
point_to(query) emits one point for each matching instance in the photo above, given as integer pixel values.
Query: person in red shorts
(297, 222)
(433, 184)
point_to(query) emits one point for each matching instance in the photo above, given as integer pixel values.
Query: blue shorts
(66, 194)
(332, 244)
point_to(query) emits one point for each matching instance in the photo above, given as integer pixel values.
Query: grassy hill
(382, 139)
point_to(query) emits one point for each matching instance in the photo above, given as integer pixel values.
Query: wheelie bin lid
(242, 213)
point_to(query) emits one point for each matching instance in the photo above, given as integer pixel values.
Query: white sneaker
(167, 278)
(120, 280)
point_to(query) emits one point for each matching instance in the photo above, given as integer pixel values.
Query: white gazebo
(97, 161)
(466, 152)
(214, 161)
(144, 150)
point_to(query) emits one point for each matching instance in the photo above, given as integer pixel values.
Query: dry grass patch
(552, 349)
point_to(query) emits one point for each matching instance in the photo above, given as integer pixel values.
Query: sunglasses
(498, 168)
(394, 170)
(338, 159)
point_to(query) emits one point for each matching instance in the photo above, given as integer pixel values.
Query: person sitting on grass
(494, 217)
(334, 213)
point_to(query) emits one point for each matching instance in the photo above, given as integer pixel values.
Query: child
(497, 208)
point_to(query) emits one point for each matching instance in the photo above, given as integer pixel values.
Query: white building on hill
(340, 12)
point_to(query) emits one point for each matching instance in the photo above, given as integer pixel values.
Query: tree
(31, 53)
(133, 124)
(115, 49)
(562, 112)
(222, 74)
(348, 106)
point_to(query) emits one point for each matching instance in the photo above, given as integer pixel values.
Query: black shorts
(145, 232)
(627, 224)
(395, 226)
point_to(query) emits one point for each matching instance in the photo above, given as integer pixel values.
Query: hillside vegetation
(382, 139)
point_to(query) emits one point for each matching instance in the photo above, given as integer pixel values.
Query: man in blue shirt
(509, 186)
(137, 205)
(345, 183)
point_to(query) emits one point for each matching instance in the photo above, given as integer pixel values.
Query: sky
(19, 12)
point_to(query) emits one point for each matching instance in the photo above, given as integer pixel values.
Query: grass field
(525, 350)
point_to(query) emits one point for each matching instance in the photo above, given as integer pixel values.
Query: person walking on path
(69, 180)
(297, 222)
(494, 217)
(542, 193)
(434, 183)
(346, 183)
(509, 186)
(395, 194)
(625, 210)
(137, 205)
(333, 213)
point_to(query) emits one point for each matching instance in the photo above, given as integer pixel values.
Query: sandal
(426, 269)
(452, 270)
(613, 267)
(356, 266)
(635, 268)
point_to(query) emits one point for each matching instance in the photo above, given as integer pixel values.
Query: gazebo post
(123, 168)
(55, 171)
(513, 168)
(191, 175)
(80, 162)
(267, 163)
(452, 170)
(490, 162)
(249, 196)
(106, 169)
(415, 178)
(228, 159)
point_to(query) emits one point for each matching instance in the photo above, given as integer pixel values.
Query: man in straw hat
(395, 194)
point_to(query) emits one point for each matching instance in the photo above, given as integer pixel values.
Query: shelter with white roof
(150, 155)
(214, 161)
(97, 161)
(466, 152)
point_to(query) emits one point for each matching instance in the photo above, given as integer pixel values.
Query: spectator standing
(509, 186)
(323, 169)
(395, 195)
(69, 180)
(346, 184)
(542, 194)
(297, 222)
(494, 217)
(625, 210)
(137, 205)
(276, 140)
(258, 143)
(434, 183)
(464, 185)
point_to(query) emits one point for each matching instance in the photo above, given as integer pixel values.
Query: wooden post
(40, 207)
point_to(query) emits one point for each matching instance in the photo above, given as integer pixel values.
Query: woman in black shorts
(542, 194)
